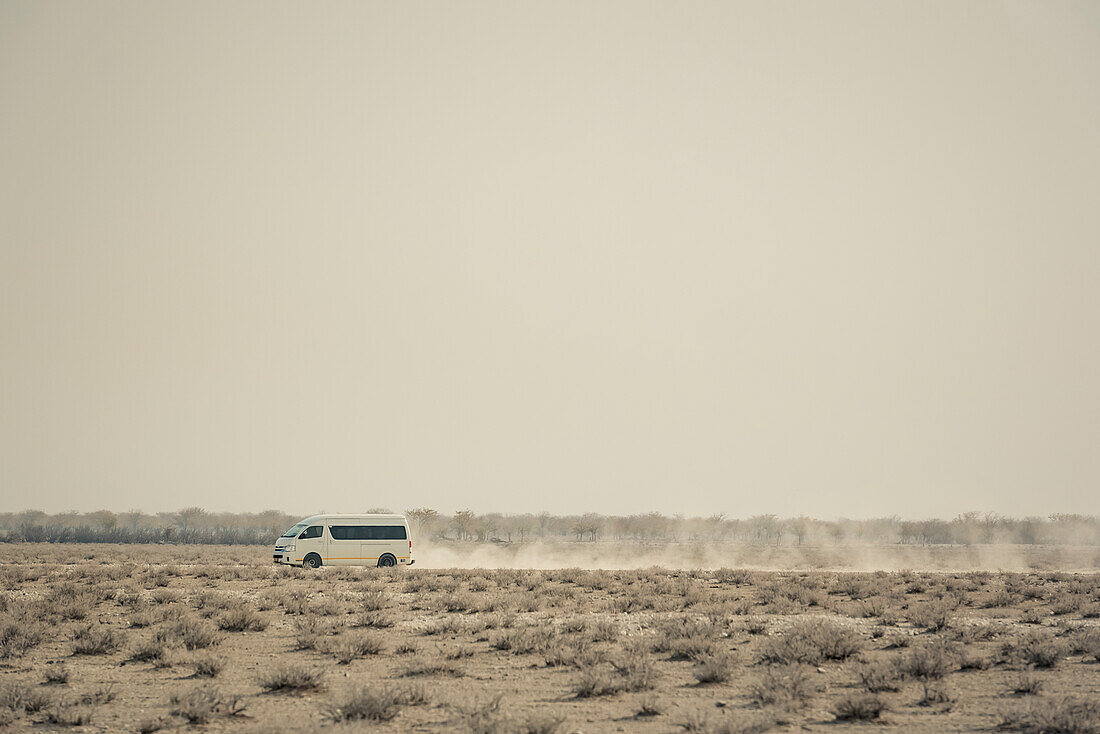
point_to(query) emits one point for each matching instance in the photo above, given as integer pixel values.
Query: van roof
(356, 517)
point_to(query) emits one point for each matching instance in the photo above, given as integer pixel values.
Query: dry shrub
(1064, 715)
(203, 703)
(308, 632)
(934, 693)
(603, 630)
(788, 686)
(431, 667)
(1037, 649)
(1087, 643)
(689, 648)
(733, 576)
(1032, 616)
(973, 660)
(375, 600)
(871, 608)
(523, 641)
(69, 713)
(880, 675)
(346, 649)
(597, 682)
(150, 651)
(166, 596)
(148, 726)
(373, 703)
(812, 642)
(684, 627)
(292, 678)
(448, 626)
(374, 620)
(295, 601)
(859, 707)
(18, 697)
(933, 616)
(17, 636)
(716, 668)
(636, 669)
(705, 722)
(632, 670)
(96, 640)
(209, 665)
(242, 619)
(57, 675)
(489, 718)
(755, 625)
(650, 705)
(1027, 684)
(192, 633)
(927, 662)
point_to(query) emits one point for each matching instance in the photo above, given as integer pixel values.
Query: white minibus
(346, 540)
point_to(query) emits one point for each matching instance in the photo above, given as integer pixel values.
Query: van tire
(387, 560)
(311, 561)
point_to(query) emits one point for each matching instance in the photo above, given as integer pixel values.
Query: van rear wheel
(387, 560)
(312, 561)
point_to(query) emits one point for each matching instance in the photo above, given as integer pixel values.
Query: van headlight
(288, 548)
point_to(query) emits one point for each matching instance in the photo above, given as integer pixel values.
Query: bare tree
(464, 522)
(423, 519)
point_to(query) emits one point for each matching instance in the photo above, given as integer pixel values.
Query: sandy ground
(97, 637)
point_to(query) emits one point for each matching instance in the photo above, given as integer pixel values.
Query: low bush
(373, 703)
(192, 633)
(96, 640)
(17, 636)
(880, 675)
(715, 668)
(202, 704)
(706, 722)
(293, 678)
(1027, 684)
(69, 713)
(348, 648)
(787, 686)
(932, 616)
(928, 662)
(242, 619)
(812, 642)
(1037, 649)
(860, 707)
(1065, 715)
(18, 697)
(431, 667)
(208, 665)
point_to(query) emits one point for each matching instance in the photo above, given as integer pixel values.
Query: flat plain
(147, 638)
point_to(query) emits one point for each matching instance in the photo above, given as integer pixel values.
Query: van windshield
(293, 532)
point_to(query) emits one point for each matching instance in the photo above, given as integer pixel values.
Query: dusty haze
(821, 258)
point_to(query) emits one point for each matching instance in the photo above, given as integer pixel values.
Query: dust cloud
(625, 556)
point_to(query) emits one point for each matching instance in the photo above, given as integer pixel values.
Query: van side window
(313, 531)
(368, 532)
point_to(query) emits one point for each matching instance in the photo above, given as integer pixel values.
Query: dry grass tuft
(202, 704)
(374, 703)
(1064, 715)
(860, 707)
(812, 642)
(292, 678)
(96, 640)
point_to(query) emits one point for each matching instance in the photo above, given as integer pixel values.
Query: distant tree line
(196, 525)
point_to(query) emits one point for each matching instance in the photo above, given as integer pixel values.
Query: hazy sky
(831, 258)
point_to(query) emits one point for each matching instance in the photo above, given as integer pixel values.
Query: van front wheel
(312, 561)
(387, 560)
